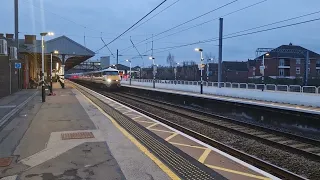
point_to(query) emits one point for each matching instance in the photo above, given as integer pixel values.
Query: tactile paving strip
(183, 165)
(77, 135)
(4, 162)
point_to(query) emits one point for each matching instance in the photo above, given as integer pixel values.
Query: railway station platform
(268, 104)
(80, 134)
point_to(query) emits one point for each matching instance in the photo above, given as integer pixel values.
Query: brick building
(6, 60)
(285, 64)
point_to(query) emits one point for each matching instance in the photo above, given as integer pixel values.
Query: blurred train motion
(106, 79)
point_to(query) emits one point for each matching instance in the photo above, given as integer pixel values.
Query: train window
(110, 73)
(97, 74)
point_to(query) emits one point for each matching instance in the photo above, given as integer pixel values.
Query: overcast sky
(70, 17)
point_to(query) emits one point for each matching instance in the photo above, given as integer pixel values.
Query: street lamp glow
(55, 52)
(151, 57)
(267, 54)
(50, 33)
(198, 49)
(128, 60)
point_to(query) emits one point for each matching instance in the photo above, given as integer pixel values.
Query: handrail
(268, 87)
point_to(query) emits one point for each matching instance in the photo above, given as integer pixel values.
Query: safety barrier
(268, 87)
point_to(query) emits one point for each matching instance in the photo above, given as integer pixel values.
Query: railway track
(264, 165)
(298, 144)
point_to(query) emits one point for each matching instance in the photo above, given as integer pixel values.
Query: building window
(281, 62)
(281, 72)
(253, 73)
(298, 61)
(297, 70)
(309, 61)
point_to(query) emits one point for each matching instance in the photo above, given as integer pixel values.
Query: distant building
(285, 65)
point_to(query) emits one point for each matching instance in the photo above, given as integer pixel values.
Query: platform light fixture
(154, 70)
(201, 68)
(42, 62)
(129, 70)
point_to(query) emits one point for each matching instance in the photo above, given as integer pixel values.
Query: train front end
(111, 78)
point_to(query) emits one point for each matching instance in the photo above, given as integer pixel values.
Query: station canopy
(71, 52)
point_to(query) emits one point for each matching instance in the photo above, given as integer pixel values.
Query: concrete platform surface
(69, 138)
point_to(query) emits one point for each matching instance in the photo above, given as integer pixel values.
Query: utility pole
(16, 29)
(117, 59)
(152, 46)
(220, 52)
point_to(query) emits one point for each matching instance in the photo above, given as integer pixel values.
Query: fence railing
(267, 87)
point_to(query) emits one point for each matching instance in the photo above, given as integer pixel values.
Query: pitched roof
(289, 48)
(63, 44)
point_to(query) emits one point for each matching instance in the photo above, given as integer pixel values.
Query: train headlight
(109, 80)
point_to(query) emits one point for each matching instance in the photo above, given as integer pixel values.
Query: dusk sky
(74, 18)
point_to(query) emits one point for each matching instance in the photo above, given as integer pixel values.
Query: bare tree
(170, 60)
(210, 56)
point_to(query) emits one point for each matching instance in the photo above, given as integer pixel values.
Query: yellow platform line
(160, 130)
(237, 172)
(187, 145)
(171, 136)
(142, 148)
(204, 155)
(152, 125)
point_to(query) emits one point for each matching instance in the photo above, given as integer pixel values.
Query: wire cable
(155, 15)
(239, 35)
(137, 22)
(197, 25)
(190, 20)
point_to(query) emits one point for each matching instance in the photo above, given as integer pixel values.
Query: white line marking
(126, 112)
(8, 106)
(119, 107)
(136, 117)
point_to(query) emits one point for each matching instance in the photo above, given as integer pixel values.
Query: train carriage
(106, 78)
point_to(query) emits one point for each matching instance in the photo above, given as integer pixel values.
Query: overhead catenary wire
(137, 22)
(62, 17)
(197, 25)
(154, 15)
(239, 35)
(136, 48)
(188, 21)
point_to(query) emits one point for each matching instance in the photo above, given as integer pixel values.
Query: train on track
(106, 78)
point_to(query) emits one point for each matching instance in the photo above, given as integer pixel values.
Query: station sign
(17, 65)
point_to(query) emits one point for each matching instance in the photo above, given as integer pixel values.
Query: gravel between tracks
(278, 157)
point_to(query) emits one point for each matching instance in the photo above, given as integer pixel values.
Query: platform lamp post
(201, 69)
(154, 71)
(129, 71)
(262, 68)
(43, 90)
(51, 54)
(175, 72)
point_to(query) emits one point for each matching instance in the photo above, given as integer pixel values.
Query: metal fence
(268, 87)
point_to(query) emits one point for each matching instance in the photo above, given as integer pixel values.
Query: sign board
(17, 65)
(201, 66)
